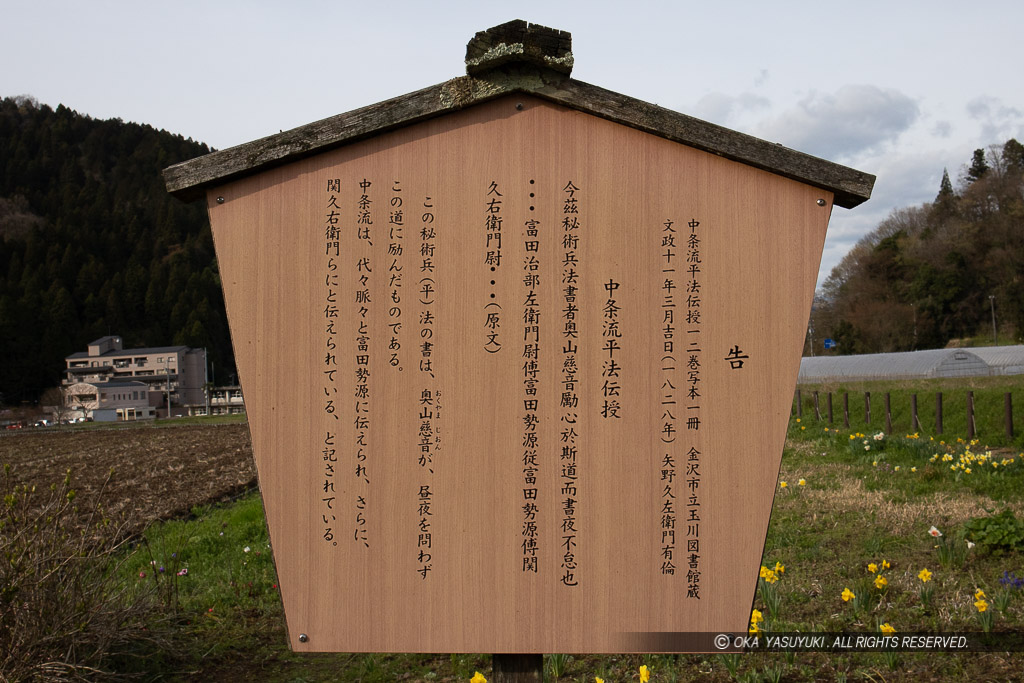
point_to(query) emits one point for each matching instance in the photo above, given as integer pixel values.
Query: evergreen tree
(945, 200)
(978, 168)
(91, 244)
(1013, 155)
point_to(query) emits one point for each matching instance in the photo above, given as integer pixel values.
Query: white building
(174, 376)
(109, 401)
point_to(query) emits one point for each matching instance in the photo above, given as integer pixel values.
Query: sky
(898, 88)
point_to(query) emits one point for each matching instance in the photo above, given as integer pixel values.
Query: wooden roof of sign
(518, 356)
(516, 57)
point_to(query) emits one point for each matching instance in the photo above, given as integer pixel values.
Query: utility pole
(913, 307)
(992, 303)
(167, 385)
(206, 382)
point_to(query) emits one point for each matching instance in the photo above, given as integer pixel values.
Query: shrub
(996, 533)
(64, 614)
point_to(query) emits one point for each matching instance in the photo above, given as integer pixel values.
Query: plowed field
(157, 472)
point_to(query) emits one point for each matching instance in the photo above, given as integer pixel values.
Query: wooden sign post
(518, 355)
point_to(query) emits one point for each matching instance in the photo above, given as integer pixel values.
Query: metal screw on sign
(303, 638)
(822, 202)
(220, 200)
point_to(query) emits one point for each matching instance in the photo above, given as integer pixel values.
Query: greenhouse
(932, 363)
(1003, 360)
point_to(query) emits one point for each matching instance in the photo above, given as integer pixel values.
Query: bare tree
(54, 401)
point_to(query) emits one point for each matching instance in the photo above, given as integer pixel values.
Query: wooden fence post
(518, 668)
(915, 423)
(970, 415)
(938, 412)
(830, 409)
(888, 414)
(867, 407)
(846, 409)
(817, 408)
(1008, 411)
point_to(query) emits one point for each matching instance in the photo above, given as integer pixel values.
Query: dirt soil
(157, 472)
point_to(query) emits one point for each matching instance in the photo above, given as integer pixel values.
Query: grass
(158, 422)
(860, 513)
(201, 420)
(854, 510)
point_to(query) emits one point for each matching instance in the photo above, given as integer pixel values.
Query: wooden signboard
(518, 377)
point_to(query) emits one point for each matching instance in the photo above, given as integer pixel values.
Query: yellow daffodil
(802, 482)
(771, 577)
(848, 595)
(598, 679)
(979, 594)
(981, 605)
(478, 678)
(887, 629)
(645, 674)
(756, 617)
(872, 567)
(754, 629)
(881, 582)
(780, 568)
(924, 575)
(885, 564)
(764, 571)
(783, 484)
(913, 469)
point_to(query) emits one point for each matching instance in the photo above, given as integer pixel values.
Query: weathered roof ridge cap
(513, 58)
(519, 42)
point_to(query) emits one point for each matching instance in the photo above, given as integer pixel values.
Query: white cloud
(853, 120)
(722, 109)
(942, 129)
(903, 180)
(999, 122)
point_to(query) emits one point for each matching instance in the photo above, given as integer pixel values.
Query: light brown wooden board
(760, 242)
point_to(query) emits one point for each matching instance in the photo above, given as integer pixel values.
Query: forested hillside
(91, 244)
(925, 276)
